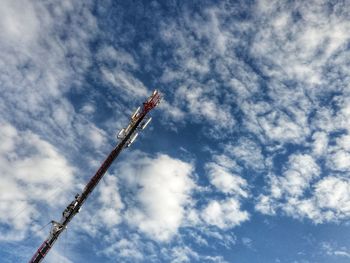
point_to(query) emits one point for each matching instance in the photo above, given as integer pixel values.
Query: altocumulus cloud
(163, 187)
(260, 90)
(33, 172)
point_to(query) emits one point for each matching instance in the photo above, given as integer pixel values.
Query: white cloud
(163, 191)
(295, 62)
(199, 50)
(301, 46)
(38, 66)
(108, 54)
(213, 30)
(344, 142)
(34, 63)
(305, 208)
(63, 114)
(126, 248)
(216, 259)
(124, 81)
(110, 203)
(96, 136)
(225, 181)
(34, 173)
(339, 154)
(183, 254)
(117, 67)
(248, 242)
(102, 212)
(174, 112)
(297, 177)
(88, 109)
(333, 193)
(201, 105)
(342, 253)
(18, 29)
(222, 237)
(292, 67)
(301, 171)
(280, 127)
(226, 162)
(286, 190)
(57, 256)
(266, 205)
(320, 143)
(328, 198)
(331, 249)
(224, 214)
(248, 152)
(340, 160)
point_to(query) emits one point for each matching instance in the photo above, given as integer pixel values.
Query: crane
(139, 120)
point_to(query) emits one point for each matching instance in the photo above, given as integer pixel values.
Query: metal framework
(127, 136)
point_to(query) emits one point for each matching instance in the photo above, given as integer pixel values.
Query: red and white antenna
(126, 137)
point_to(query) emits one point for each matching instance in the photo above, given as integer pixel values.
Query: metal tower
(127, 136)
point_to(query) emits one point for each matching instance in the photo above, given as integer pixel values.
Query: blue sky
(247, 159)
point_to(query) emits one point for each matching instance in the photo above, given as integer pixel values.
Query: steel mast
(127, 136)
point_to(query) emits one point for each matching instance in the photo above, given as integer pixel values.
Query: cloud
(117, 68)
(128, 249)
(266, 205)
(284, 128)
(57, 257)
(103, 212)
(224, 214)
(331, 249)
(108, 55)
(201, 106)
(183, 254)
(198, 45)
(320, 143)
(301, 171)
(327, 199)
(34, 173)
(339, 154)
(223, 173)
(333, 194)
(124, 81)
(22, 29)
(247, 152)
(30, 34)
(187, 254)
(342, 253)
(96, 136)
(270, 88)
(109, 202)
(225, 181)
(302, 44)
(340, 160)
(323, 205)
(248, 242)
(41, 61)
(163, 187)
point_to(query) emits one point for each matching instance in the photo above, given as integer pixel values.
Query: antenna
(126, 137)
